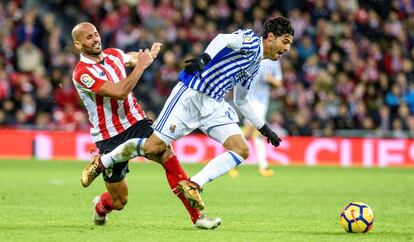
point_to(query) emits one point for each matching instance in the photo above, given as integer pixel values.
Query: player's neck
(266, 50)
(96, 58)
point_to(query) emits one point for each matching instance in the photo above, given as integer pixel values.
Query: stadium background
(349, 74)
(347, 100)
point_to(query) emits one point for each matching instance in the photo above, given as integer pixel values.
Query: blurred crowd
(351, 66)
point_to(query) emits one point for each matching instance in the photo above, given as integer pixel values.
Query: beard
(91, 50)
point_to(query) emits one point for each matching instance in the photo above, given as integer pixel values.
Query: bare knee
(237, 144)
(154, 146)
(119, 203)
(241, 151)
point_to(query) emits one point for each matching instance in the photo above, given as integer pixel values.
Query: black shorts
(141, 129)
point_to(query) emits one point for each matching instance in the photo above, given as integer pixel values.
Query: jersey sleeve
(251, 41)
(221, 41)
(247, 82)
(242, 102)
(88, 80)
(125, 58)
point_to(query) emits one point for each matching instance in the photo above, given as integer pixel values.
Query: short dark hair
(278, 26)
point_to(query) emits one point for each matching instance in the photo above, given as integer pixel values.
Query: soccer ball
(357, 217)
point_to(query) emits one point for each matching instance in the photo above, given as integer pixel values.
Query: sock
(260, 148)
(176, 173)
(104, 206)
(125, 151)
(217, 167)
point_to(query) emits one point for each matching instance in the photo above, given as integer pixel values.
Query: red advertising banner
(312, 151)
(367, 152)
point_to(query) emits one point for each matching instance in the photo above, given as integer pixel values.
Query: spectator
(29, 58)
(66, 94)
(351, 67)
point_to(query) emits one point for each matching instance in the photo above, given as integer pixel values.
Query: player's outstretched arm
(242, 103)
(133, 55)
(220, 42)
(120, 90)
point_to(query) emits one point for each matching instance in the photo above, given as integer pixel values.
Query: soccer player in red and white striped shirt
(105, 89)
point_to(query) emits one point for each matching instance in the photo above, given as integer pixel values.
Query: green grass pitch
(44, 201)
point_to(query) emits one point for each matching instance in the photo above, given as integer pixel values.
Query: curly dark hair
(278, 26)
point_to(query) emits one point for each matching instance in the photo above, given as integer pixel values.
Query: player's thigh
(221, 123)
(118, 191)
(179, 115)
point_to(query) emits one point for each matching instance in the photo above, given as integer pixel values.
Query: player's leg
(116, 196)
(120, 148)
(221, 125)
(118, 192)
(237, 152)
(248, 133)
(176, 175)
(179, 117)
(174, 121)
(154, 147)
(259, 145)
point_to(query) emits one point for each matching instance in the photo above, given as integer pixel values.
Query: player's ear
(77, 44)
(271, 36)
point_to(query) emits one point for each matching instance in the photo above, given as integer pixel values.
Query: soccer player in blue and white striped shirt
(231, 61)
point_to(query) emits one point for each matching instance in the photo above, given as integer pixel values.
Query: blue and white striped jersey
(236, 63)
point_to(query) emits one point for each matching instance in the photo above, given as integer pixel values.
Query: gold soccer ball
(357, 217)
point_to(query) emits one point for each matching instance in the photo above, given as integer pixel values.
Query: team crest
(172, 128)
(87, 80)
(247, 38)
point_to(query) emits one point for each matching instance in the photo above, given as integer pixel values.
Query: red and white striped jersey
(108, 116)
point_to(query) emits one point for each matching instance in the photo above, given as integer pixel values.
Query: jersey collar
(86, 60)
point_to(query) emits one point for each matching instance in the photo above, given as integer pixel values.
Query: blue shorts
(142, 129)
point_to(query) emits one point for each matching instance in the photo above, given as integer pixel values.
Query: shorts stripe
(171, 105)
(212, 127)
(235, 158)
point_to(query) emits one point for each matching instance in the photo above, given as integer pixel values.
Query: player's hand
(145, 58)
(155, 49)
(197, 64)
(271, 135)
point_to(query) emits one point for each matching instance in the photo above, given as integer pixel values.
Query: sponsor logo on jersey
(87, 80)
(247, 38)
